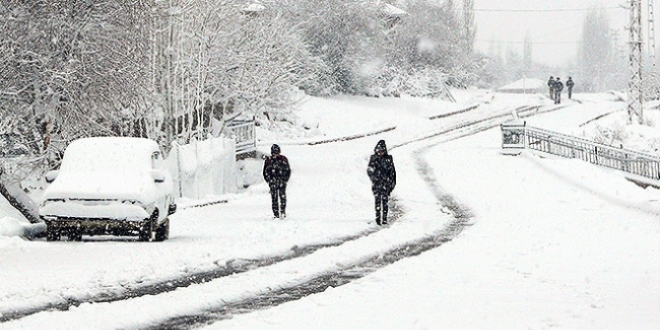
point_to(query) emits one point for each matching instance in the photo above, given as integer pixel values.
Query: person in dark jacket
(569, 85)
(551, 85)
(382, 173)
(558, 88)
(277, 172)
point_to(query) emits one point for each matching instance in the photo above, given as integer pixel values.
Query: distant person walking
(559, 86)
(382, 173)
(277, 172)
(569, 85)
(551, 85)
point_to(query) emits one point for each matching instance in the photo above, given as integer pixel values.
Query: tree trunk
(20, 200)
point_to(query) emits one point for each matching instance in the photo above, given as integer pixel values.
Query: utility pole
(635, 97)
(651, 29)
(652, 78)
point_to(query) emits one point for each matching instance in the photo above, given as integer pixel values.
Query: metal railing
(626, 160)
(243, 132)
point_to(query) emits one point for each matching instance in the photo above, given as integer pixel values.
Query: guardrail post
(513, 137)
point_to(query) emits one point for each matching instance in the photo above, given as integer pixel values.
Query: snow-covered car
(109, 185)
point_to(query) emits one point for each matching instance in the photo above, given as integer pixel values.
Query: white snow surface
(528, 84)
(551, 243)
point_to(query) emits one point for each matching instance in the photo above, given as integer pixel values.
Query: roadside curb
(222, 201)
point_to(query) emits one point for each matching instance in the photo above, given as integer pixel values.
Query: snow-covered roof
(524, 84)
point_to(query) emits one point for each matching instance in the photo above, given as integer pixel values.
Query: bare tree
(69, 69)
(347, 35)
(469, 26)
(216, 60)
(599, 65)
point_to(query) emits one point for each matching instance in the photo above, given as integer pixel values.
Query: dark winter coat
(551, 83)
(570, 83)
(276, 170)
(381, 171)
(559, 86)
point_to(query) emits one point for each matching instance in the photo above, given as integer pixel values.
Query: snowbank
(14, 224)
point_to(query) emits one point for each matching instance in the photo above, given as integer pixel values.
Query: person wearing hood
(277, 172)
(382, 173)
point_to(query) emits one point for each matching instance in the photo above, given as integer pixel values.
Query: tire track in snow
(232, 267)
(235, 266)
(323, 282)
(461, 214)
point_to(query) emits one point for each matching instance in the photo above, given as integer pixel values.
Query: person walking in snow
(382, 173)
(551, 85)
(569, 85)
(558, 88)
(277, 172)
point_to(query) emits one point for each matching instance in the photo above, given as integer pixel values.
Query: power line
(555, 32)
(541, 10)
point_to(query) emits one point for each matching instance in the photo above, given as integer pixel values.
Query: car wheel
(163, 231)
(52, 233)
(147, 229)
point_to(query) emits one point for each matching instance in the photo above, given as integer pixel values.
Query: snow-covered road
(330, 203)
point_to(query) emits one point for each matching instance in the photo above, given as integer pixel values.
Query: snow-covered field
(551, 243)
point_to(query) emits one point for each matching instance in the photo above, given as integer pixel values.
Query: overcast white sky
(554, 25)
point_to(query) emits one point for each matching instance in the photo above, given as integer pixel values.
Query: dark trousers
(557, 97)
(278, 198)
(570, 92)
(381, 207)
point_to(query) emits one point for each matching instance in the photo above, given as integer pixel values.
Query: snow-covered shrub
(614, 130)
(613, 135)
(424, 83)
